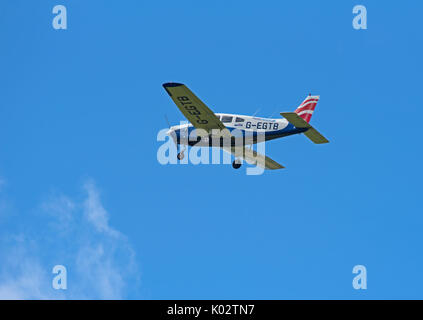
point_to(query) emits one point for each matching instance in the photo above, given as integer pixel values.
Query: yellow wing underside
(253, 157)
(193, 108)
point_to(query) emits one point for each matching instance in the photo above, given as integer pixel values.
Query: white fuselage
(252, 129)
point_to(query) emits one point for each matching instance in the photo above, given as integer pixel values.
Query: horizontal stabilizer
(299, 122)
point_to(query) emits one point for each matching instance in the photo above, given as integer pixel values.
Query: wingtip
(172, 84)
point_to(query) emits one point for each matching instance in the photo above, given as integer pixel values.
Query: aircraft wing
(193, 108)
(254, 157)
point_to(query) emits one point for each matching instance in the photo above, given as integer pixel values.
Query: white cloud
(94, 211)
(100, 272)
(28, 279)
(61, 210)
(99, 259)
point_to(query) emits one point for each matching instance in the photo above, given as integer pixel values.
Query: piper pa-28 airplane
(231, 126)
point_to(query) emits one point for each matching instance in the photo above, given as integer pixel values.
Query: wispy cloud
(79, 236)
(61, 210)
(22, 276)
(95, 213)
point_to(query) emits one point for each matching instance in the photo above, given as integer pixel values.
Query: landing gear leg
(180, 155)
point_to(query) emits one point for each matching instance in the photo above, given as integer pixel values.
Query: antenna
(257, 111)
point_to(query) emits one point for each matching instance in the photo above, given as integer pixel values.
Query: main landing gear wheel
(236, 164)
(180, 155)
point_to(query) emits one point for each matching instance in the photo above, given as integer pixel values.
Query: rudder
(306, 109)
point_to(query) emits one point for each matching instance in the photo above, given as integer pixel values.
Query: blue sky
(81, 186)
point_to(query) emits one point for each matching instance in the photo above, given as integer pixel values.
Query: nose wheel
(236, 164)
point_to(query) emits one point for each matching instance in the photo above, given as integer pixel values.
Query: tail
(306, 109)
(301, 118)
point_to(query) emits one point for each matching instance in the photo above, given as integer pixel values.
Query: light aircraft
(251, 129)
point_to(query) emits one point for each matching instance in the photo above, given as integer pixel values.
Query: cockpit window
(239, 120)
(226, 119)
